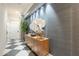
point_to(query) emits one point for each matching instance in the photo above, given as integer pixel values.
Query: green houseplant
(24, 28)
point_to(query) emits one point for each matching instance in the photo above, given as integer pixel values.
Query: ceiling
(22, 7)
(15, 9)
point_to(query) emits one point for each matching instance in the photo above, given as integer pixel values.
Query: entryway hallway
(11, 43)
(15, 46)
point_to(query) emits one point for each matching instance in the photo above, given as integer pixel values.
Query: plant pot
(23, 35)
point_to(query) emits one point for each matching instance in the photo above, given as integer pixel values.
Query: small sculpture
(37, 26)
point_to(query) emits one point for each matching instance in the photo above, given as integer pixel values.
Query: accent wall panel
(58, 27)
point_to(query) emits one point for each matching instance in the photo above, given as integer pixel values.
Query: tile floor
(18, 48)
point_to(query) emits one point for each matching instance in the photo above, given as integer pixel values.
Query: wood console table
(39, 46)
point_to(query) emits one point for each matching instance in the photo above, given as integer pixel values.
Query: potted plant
(24, 28)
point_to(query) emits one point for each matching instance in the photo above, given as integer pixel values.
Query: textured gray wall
(75, 28)
(58, 27)
(62, 21)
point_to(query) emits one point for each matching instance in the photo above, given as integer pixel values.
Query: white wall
(2, 30)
